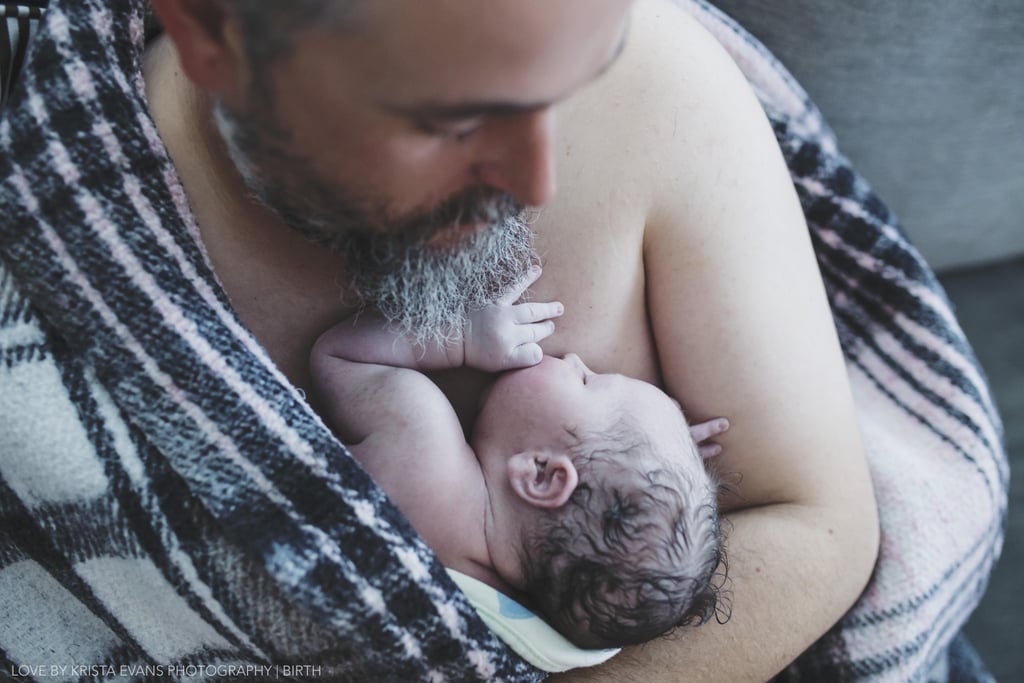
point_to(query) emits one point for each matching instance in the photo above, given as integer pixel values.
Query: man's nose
(520, 158)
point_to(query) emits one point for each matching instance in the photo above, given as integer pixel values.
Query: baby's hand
(504, 335)
(703, 432)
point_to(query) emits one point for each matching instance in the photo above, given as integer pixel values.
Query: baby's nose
(575, 361)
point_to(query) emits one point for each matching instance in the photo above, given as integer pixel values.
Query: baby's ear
(544, 480)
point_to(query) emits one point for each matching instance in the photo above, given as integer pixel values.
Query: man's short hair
(271, 27)
(635, 551)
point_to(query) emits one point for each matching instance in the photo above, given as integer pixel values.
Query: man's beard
(424, 289)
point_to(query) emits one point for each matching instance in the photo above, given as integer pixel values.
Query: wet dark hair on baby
(635, 552)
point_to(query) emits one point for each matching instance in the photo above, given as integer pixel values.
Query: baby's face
(548, 403)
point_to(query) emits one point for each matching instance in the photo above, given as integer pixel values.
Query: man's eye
(459, 132)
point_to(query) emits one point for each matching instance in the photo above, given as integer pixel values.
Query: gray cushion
(927, 99)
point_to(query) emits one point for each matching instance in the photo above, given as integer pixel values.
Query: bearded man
(383, 153)
(329, 155)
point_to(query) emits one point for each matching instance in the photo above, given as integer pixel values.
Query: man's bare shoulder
(667, 100)
(636, 149)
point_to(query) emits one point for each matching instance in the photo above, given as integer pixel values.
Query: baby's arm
(501, 336)
(365, 375)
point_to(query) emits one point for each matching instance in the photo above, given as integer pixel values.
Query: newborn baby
(582, 495)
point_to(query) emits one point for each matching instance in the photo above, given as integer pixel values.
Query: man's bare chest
(593, 258)
(599, 276)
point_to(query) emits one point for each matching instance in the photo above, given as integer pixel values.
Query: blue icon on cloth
(512, 609)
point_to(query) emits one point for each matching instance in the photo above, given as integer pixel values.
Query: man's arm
(742, 326)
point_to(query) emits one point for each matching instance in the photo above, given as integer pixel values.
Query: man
(676, 240)
(325, 146)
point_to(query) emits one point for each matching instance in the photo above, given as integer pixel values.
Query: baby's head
(602, 494)
(632, 552)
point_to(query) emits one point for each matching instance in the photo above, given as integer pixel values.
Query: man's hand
(504, 335)
(705, 431)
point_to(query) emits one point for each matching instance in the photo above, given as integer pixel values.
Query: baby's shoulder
(432, 480)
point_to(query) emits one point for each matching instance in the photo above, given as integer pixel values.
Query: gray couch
(927, 99)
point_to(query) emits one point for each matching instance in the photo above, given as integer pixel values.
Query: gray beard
(425, 292)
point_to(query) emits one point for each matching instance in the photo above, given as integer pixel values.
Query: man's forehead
(510, 13)
(456, 70)
(458, 108)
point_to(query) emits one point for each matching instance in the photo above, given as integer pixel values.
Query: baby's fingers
(535, 312)
(534, 332)
(708, 450)
(525, 355)
(707, 430)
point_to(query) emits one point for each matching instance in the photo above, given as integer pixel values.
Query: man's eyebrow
(459, 111)
(470, 110)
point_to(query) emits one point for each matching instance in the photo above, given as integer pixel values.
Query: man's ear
(208, 41)
(544, 480)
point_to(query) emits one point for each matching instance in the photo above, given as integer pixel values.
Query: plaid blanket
(171, 507)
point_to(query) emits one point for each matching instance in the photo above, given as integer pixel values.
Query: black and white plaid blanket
(170, 507)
